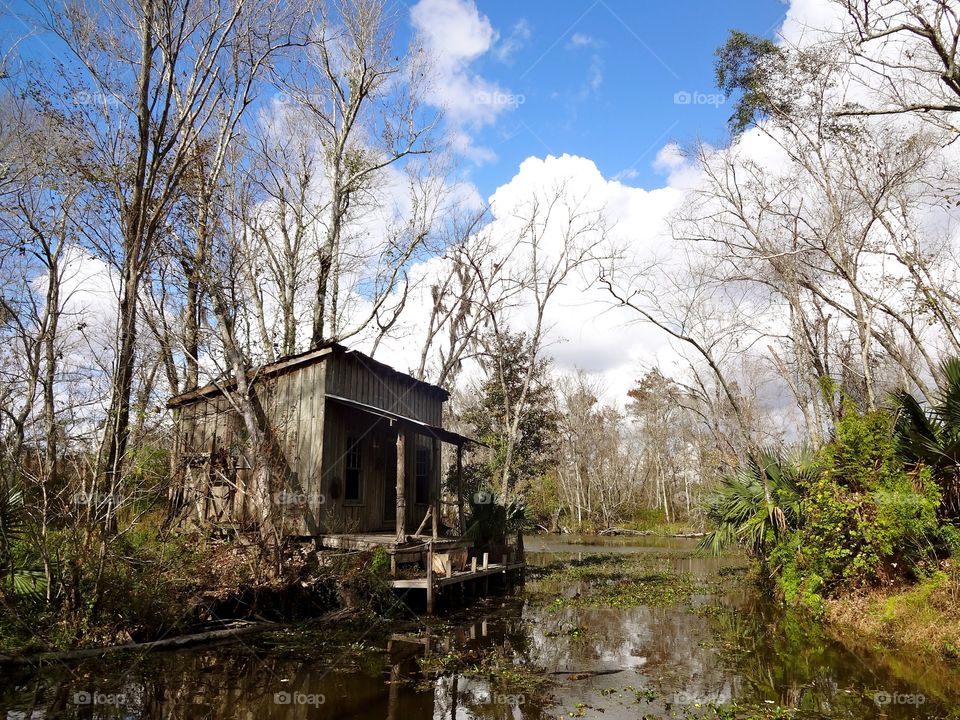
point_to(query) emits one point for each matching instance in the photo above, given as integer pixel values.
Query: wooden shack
(360, 440)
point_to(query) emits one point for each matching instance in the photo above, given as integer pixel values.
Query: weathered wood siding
(311, 432)
(348, 376)
(210, 428)
(376, 507)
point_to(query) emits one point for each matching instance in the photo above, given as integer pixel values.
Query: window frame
(422, 453)
(354, 452)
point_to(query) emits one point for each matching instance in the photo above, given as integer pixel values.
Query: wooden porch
(433, 565)
(411, 550)
(447, 569)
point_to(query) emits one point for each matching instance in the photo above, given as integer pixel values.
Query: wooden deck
(457, 577)
(388, 541)
(441, 574)
(444, 562)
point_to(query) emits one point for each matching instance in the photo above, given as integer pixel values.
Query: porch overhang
(447, 436)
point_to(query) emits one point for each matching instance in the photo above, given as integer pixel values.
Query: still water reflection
(679, 661)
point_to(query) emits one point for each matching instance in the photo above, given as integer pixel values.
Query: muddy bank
(229, 592)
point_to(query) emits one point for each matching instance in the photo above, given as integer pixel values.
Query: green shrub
(867, 519)
(795, 585)
(855, 516)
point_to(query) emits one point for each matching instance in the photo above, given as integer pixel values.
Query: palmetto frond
(931, 436)
(29, 583)
(740, 508)
(15, 577)
(12, 517)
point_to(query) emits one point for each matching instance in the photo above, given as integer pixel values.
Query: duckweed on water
(701, 710)
(500, 669)
(614, 581)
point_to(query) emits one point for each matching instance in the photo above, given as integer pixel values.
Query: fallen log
(584, 674)
(645, 533)
(181, 641)
(174, 642)
(624, 531)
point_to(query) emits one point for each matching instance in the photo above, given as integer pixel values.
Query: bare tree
(164, 84)
(555, 234)
(907, 52)
(363, 104)
(684, 303)
(471, 287)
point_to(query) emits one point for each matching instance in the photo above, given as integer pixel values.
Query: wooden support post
(401, 485)
(461, 523)
(453, 696)
(435, 478)
(393, 694)
(486, 558)
(473, 564)
(430, 578)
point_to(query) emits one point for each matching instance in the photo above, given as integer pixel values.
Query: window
(351, 473)
(423, 476)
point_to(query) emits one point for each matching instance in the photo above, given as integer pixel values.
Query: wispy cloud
(519, 35)
(596, 73)
(582, 40)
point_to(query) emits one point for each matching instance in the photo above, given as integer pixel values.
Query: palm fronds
(12, 517)
(931, 435)
(740, 508)
(17, 577)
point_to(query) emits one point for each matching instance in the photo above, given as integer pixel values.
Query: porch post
(401, 485)
(460, 523)
(430, 588)
(437, 486)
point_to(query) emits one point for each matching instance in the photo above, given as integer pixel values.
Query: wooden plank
(442, 564)
(410, 584)
(305, 431)
(455, 579)
(434, 480)
(461, 521)
(319, 454)
(466, 575)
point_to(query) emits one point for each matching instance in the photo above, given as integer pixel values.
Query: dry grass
(923, 617)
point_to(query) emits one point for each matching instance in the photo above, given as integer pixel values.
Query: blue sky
(598, 78)
(594, 78)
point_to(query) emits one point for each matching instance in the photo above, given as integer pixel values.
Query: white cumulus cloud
(456, 34)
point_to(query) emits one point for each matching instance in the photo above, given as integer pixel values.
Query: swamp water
(614, 628)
